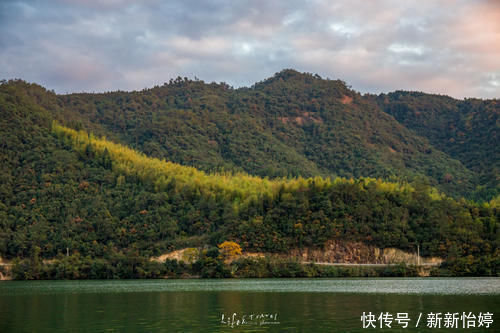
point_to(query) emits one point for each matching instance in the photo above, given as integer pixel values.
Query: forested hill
(288, 125)
(467, 130)
(298, 124)
(112, 207)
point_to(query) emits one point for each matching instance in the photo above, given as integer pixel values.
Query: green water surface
(296, 305)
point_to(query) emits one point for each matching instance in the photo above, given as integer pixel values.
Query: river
(250, 305)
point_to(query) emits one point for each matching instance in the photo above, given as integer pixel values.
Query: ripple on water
(436, 286)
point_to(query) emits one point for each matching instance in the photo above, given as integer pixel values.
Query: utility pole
(418, 255)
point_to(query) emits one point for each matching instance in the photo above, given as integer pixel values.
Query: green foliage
(124, 266)
(293, 124)
(268, 268)
(111, 208)
(467, 130)
(311, 211)
(190, 255)
(116, 266)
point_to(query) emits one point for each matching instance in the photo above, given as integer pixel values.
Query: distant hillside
(291, 124)
(467, 130)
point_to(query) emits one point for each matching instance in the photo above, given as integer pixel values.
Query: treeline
(211, 264)
(208, 265)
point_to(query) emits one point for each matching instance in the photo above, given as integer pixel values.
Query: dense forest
(289, 125)
(466, 130)
(103, 182)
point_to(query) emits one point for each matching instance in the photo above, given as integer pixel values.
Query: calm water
(300, 305)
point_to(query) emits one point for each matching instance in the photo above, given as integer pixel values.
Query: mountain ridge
(293, 124)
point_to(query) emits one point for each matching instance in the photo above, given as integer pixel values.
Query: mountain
(291, 124)
(111, 203)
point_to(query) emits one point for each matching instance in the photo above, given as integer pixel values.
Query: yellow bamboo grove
(238, 188)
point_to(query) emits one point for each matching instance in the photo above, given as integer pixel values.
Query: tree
(190, 255)
(229, 250)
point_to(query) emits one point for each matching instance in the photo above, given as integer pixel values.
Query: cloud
(450, 47)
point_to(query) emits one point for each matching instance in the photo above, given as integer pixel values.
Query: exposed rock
(336, 251)
(346, 100)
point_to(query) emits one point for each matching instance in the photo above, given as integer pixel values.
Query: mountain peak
(289, 74)
(291, 79)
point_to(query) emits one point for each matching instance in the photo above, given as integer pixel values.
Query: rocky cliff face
(336, 251)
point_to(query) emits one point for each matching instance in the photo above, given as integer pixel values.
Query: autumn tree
(229, 250)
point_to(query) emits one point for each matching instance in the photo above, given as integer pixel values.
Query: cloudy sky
(444, 46)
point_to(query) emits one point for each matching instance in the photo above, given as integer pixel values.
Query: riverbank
(119, 266)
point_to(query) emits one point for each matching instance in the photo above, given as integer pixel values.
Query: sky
(447, 47)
